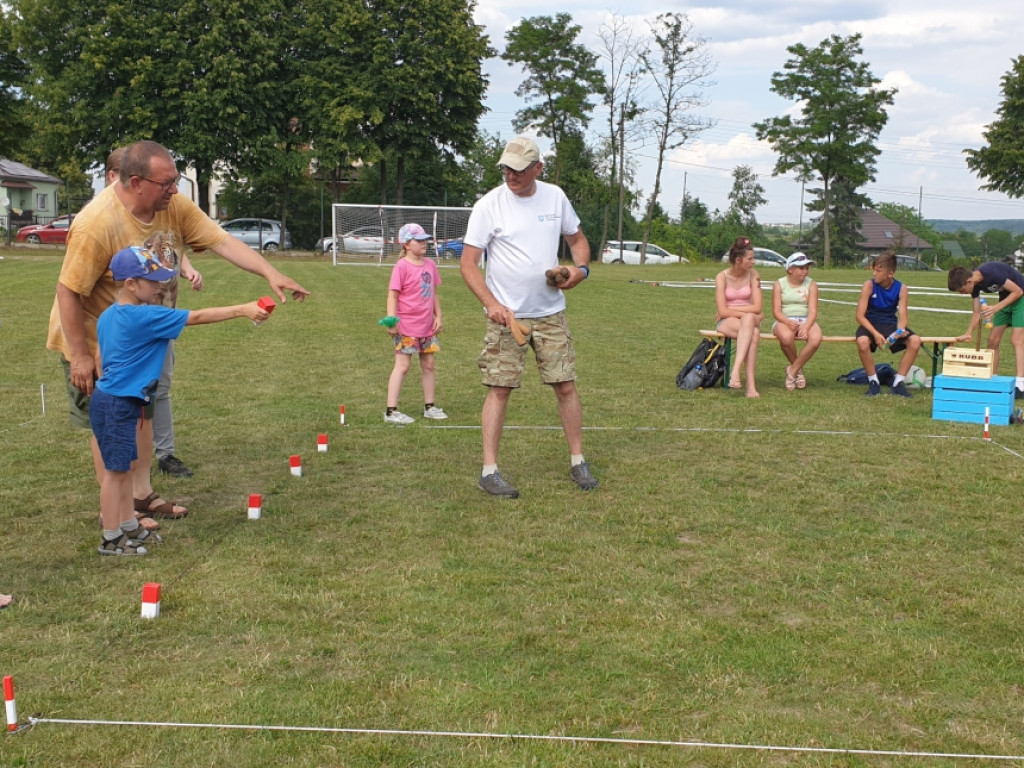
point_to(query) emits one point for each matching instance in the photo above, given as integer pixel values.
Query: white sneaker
(397, 417)
(433, 412)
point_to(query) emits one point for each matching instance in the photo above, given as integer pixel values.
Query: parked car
(450, 249)
(54, 232)
(629, 253)
(763, 257)
(903, 262)
(359, 240)
(249, 232)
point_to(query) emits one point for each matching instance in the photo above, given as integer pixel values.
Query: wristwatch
(586, 270)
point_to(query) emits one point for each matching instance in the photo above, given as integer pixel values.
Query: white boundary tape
(538, 737)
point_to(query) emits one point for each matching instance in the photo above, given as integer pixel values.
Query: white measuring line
(537, 737)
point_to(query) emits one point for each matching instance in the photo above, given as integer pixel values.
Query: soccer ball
(917, 379)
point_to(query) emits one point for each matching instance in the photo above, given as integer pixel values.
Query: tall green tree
(679, 64)
(14, 126)
(207, 78)
(1001, 161)
(841, 114)
(561, 78)
(838, 227)
(745, 197)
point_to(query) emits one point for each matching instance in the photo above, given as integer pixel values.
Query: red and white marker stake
(12, 708)
(255, 506)
(321, 443)
(150, 600)
(341, 414)
(296, 464)
(987, 436)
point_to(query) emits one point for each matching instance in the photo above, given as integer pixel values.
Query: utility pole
(682, 217)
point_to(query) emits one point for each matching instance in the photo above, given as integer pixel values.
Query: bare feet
(753, 393)
(5, 600)
(735, 385)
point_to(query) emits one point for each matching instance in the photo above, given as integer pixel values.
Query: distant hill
(980, 226)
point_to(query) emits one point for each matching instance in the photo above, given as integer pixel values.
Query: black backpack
(705, 367)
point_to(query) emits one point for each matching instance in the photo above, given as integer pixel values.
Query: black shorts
(885, 329)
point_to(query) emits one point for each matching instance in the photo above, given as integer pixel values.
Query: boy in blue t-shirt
(881, 311)
(133, 335)
(995, 277)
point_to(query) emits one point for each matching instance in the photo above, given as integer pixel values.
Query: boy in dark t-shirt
(995, 277)
(882, 315)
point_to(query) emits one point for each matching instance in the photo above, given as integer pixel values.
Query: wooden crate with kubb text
(962, 398)
(968, 363)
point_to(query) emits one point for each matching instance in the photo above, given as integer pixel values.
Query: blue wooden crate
(957, 398)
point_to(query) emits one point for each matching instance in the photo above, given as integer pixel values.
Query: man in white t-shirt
(520, 224)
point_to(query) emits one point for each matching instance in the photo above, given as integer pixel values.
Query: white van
(628, 252)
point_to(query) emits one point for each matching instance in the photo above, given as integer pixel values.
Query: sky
(945, 58)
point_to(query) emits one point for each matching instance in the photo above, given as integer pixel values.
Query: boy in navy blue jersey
(133, 335)
(882, 313)
(995, 277)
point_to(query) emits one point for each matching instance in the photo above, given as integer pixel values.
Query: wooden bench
(939, 343)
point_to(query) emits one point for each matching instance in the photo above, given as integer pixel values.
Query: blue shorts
(113, 419)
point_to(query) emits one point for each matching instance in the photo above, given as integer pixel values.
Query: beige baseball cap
(519, 153)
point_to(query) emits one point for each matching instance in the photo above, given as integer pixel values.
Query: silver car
(260, 234)
(628, 252)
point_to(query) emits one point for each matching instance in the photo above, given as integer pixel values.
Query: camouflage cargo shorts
(503, 360)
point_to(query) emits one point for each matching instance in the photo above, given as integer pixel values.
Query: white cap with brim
(519, 153)
(798, 259)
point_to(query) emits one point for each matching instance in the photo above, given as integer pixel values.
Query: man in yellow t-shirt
(143, 209)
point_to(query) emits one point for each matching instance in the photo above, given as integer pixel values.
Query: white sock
(873, 377)
(897, 379)
(1020, 382)
(575, 459)
(489, 469)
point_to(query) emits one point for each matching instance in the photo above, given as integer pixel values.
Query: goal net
(369, 233)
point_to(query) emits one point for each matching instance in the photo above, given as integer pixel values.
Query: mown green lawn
(810, 569)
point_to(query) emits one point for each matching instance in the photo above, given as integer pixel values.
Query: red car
(56, 232)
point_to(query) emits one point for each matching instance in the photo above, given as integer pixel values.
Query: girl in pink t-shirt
(413, 299)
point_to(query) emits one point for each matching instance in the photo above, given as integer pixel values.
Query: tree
(839, 225)
(561, 77)
(1002, 160)
(13, 74)
(415, 78)
(621, 50)
(842, 113)
(679, 65)
(746, 196)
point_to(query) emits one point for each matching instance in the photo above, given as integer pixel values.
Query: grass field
(811, 569)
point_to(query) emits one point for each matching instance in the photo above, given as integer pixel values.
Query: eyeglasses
(166, 186)
(512, 171)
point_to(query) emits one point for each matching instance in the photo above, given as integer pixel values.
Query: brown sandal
(164, 509)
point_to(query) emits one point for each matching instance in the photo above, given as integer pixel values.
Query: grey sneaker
(433, 412)
(397, 417)
(121, 546)
(496, 485)
(583, 477)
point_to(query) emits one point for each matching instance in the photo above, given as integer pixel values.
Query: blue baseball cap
(139, 263)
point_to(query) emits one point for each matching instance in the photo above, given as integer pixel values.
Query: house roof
(11, 170)
(881, 234)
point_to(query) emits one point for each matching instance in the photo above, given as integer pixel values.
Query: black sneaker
(1018, 394)
(172, 465)
(900, 389)
(874, 388)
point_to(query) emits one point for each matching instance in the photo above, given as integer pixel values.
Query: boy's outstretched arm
(252, 310)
